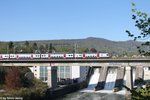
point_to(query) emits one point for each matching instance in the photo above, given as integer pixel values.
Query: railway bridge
(124, 67)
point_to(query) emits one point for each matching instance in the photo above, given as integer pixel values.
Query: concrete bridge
(124, 68)
(80, 62)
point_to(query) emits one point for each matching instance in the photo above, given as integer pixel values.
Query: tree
(35, 47)
(2, 75)
(142, 22)
(10, 45)
(51, 48)
(83, 50)
(140, 93)
(12, 79)
(24, 81)
(26, 44)
(42, 49)
(93, 50)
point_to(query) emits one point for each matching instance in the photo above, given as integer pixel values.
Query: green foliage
(64, 49)
(133, 4)
(39, 87)
(142, 22)
(65, 46)
(42, 49)
(26, 44)
(140, 93)
(10, 47)
(24, 81)
(35, 47)
(26, 93)
(19, 86)
(50, 48)
(83, 50)
(22, 92)
(36, 91)
(2, 75)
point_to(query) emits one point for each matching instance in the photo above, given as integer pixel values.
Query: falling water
(110, 79)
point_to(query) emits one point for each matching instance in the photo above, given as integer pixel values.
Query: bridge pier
(119, 79)
(52, 77)
(139, 74)
(129, 80)
(102, 78)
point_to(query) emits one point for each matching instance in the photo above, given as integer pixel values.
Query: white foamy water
(110, 79)
(93, 81)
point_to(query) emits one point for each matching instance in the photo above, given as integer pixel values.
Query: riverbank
(63, 90)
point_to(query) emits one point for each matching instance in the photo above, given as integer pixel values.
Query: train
(56, 56)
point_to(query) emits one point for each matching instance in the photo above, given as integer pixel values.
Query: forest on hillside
(90, 44)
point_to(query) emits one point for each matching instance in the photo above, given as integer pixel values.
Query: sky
(22, 20)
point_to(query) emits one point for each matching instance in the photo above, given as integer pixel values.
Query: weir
(111, 78)
(139, 75)
(94, 79)
(119, 78)
(102, 78)
(98, 80)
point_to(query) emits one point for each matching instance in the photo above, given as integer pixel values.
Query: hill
(100, 44)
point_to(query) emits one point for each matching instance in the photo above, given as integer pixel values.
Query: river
(91, 96)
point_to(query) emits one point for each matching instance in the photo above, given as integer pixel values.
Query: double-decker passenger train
(56, 56)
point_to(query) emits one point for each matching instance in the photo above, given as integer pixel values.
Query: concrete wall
(147, 73)
(120, 76)
(139, 74)
(52, 77)
(83, 73)
(102, 78)
(36, 71)
(75, 72)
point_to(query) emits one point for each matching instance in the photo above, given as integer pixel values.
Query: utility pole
(75, 47)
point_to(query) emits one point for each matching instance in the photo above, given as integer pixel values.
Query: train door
(64, 56)
(83, 55)
(17, 56)
(97, 55)
(49, 56)
(31, 56)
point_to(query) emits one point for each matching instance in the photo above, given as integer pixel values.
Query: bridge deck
(70, 60)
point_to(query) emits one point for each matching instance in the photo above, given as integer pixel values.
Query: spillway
(110, 79)
(93, 80)
(133, 73)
